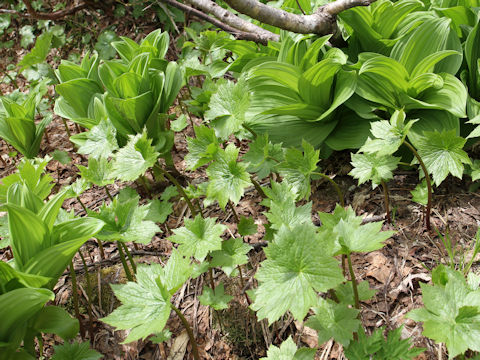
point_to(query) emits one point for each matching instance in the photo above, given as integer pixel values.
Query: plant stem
(250, 130)
(100, 245)
(108, 193)
(128, 274)
(354, 282)
(429, 184)
(179, 188)
(66, 127)
(130, 258)
(210, 276)
(334, 184)
(387, 206)
(75, 299)
(89, 293)
(196, 355)
(235, 215)
(258, 187)
(242, 284)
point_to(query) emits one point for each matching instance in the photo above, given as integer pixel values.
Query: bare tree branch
(54, 15)
(240, 35)
(227, 17)
(322, 22)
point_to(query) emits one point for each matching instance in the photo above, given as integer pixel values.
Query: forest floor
(395, 271)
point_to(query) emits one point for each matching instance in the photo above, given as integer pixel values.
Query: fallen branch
(239, 34)
(54, 15)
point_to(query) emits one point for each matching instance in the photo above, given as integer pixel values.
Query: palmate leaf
(452, 312)
(217, 299)
(98, 171)
(233, 253)
(199, 237)
(202, 148)
(145, 305)
(288, 351)
(332, 320)
(75, 351)
(246, 226)
(296, 268)
(135, 158)
(298, 168)
(227, 108)
(442, 154)
(378, 348)
(263, 156)
(228, 178)
(388, 135)
(125, 220)
(372, 167)
(100, 141)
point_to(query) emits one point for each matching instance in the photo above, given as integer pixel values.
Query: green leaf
(216, 299)
(246, 226)
(372, 167)
(39, 52)
(18, 306)
(125, 220)
(135, 158)
(354, 237)
(228, 178)
(442, 154)
(227, 108)
(420, 193)
(378, 348)
(233, 253)
(100, 141)
(295, 269)
(263, 156)
(288, 351)
(332, 320)
(298, 168)
(199, 237)
(27, 36)
(179, 124)
(202, 148)
(56, 320)
(159, 211)
(451, 314)
(99, 171)
(145, 305)
(104, 44)
(345, 295)
(161, 337)
(75, 351)
(61, 156)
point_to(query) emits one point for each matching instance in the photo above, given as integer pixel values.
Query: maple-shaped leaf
(75, 351)
(159, 210)
(339, 213)
(420, 193)
(145, 305)
(177, 271)
(246, 226)
(233, 253)
(378, 348)
(288, 351)
(263, 156)
(360, 238)
(227, 108)
(99, 171)
(199, 237)
(228, 178)
(332, 320)
(100, 141)
(216, 299)
(452, 312)
(202, 148)
(474, 170)
(373, 167)
(135, 158)
(442, 154)
(125, 220)
(298, 168)
(389, 135)
(283, 211)
(296, 268)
